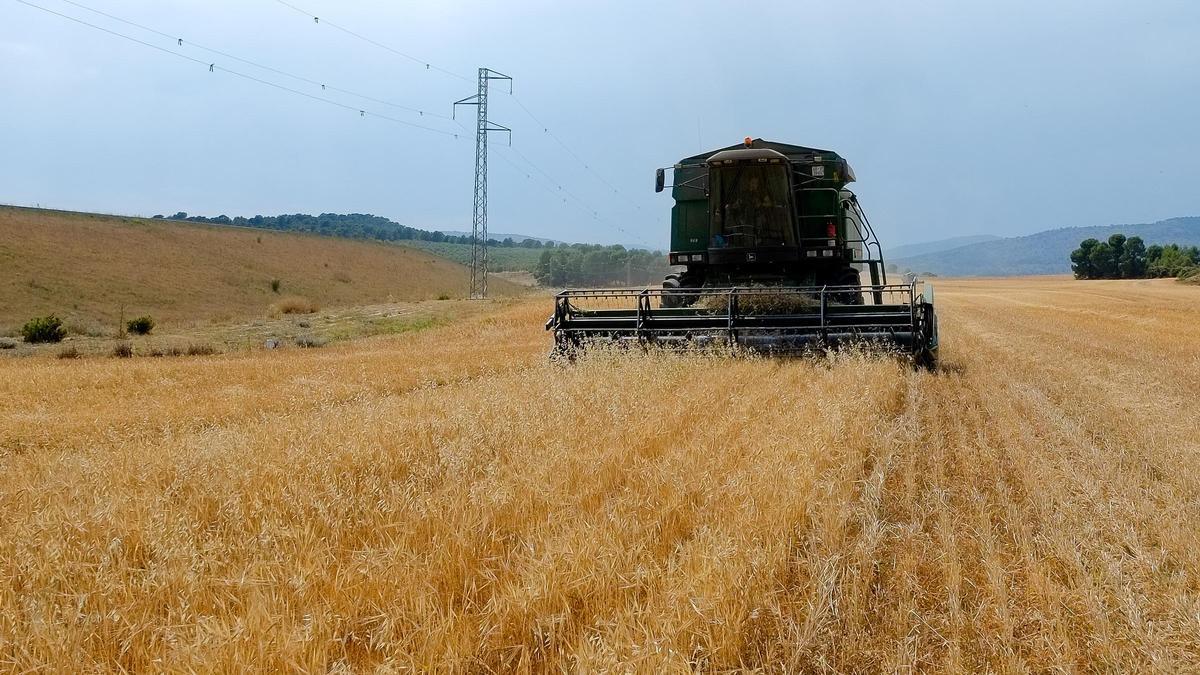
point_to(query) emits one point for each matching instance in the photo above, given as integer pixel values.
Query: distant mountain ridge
(1047, 252)
(923, 248)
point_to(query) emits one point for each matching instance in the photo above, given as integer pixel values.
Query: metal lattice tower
(479, 235)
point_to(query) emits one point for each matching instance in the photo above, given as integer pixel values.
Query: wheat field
(450, 501)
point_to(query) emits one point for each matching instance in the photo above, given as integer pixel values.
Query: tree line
(351, 226)
(593, 265)
(1124, 257)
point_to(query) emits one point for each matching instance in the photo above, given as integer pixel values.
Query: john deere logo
(750, 257)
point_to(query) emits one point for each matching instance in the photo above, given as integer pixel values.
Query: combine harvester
(772, 246)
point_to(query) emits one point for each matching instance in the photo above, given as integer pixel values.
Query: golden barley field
(446, 500)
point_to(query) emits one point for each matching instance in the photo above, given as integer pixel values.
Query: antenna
(479, 235)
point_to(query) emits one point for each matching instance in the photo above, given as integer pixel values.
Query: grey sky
(959, 118)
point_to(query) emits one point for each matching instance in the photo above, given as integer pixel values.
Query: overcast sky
(959, 118)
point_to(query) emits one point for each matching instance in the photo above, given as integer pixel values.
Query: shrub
(8, 344)
(275, 284)
(201, 349)
(1190, 275)
(122, 350)
(443, 296)
(295, 304)
(341, 277)
(68, 352)
(141, 325)
(44, 329)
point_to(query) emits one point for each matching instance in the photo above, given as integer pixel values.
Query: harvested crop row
(404, 502)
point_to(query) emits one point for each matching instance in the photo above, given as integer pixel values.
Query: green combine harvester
(770, 248)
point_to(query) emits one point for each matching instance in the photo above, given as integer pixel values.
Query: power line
(318, 20)
(213, 67)
(595, 215)
(586, 165)
(324, 86)
(555, 187)
(429, 66)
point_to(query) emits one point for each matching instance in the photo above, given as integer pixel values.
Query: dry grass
(294, 304)
(86, 268)
(403, 502)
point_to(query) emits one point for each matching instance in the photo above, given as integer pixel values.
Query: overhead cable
(323, 85)
(586, 165)
(214, 67)
(318, 20)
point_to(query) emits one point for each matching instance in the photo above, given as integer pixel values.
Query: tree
(1117, 243)
(1153, 253)
(1132, 262)
(1081, 260)
(582, 265)
(1104, 261)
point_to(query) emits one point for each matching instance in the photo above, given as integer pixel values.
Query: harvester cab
(769, 213)
(768, 246)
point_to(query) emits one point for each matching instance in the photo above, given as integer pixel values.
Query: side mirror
(660, 180)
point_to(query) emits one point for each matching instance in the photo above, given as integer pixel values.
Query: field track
(448, 500)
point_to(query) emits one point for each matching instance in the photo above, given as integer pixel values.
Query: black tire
(670, 296)
(927, 359)
(849, 277)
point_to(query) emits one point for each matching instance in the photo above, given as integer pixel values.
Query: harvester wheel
(927, 359)
(850, 277)
(669, 299)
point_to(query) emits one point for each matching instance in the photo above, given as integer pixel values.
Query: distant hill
(1046, 252)
(501, 236)
(500, 258)
(94, 268)
(346, 225)
(911, 250)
